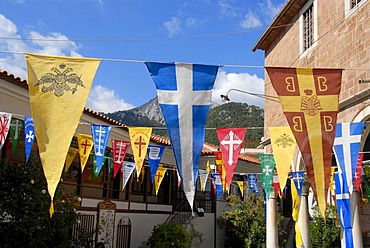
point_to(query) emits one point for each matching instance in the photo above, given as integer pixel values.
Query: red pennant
(358, 173)
(231, 141)
(276, 184)
(119, 149)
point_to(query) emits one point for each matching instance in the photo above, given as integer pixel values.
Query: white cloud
(15, 63)
(173, 26)
(241, 81)
(251, 21)
(105, 100)
(226, 9)
(270, 9)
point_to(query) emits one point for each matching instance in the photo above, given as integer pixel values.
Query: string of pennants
(59, 87)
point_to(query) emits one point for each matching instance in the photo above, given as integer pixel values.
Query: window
(352, 5)
(308, 26)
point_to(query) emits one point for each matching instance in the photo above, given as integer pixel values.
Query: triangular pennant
(203, 176)
(154, 156)
(119, 149)
(276, 184)
(72, 152)
(231, 141)
(310, 102)
(29, 135)
(358, 172)
(139, 138)
(100, 134)
(220, 169)
(208, 166)
(241, 187)
(127, 169)
(159, 175)
(96, 170)
(346, 148)
(331, 184)
(298, 179)
(15, 132)
(217, 184)
(85, 145)
(252, 183)
(184, 95)
(5, 119)
(283, 146)
(58, 89)
(267, 164)
(344, 208)
(295, 214)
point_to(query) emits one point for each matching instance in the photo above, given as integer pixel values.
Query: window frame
(349, 10)
(308, 5)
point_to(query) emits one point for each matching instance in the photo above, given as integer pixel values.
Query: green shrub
(245, 224)
(24, 209)
(169, 235)
(325, 233)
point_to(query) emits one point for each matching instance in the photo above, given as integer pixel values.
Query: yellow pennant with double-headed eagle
(139, 139)
(283, 146)
(72, 152)
(58, 88)
(85, 145)
(310, 101)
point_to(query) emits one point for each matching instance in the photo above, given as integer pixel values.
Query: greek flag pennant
(218, 184)
(346, 148)
(29, 135)
(154, 156)
(184, 95)
(344, 208)
(100, 134)
(298, 178)
(15, 132)
(4, 127)
(252, 183)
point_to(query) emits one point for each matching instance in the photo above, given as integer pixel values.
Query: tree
(24, 208)
(245, 223)
(169, 234)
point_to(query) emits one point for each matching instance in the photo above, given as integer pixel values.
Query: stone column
(303, 216)
(355, 220)
(271, 221)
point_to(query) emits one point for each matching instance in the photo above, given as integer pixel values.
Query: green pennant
(110, 163)
(15, 132)
(267, 164)
(95, 170)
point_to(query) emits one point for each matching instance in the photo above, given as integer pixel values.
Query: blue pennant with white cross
(346, 148)
(29, 135)
(344, 209)
(184, 95)
(252, 183)
(154, 156)
(298, 178)
(100, 134)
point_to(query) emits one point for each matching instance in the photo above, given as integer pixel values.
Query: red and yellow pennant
(159, 178)
(85, 144)
(310, 101)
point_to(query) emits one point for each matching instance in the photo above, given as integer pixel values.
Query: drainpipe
(271, 221)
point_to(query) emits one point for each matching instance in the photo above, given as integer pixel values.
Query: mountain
(226, 115)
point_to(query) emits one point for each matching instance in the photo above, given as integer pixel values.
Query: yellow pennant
(208, 167)
(331, 184)
(139, 138)
(159, 178)
(241, 187)
(295, 208)
(283, 146)
(72, 152)
(85, 144)
(58, 88)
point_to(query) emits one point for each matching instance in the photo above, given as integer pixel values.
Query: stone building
(323, 34)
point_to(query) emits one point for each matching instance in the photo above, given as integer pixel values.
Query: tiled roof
(208, 149)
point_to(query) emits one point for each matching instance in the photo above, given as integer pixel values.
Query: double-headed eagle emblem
(284, 140)
(61, 81)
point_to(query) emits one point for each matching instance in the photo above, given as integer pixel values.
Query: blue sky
(215, 32)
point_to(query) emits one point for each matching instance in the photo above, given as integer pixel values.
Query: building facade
(323, 34)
